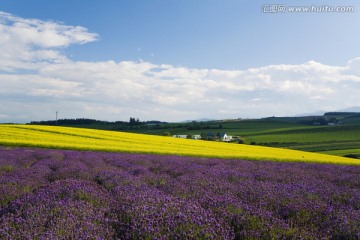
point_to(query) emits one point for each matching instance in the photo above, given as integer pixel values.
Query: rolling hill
(99, 140)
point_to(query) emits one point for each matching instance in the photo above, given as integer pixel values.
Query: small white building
(228, 138)
(180, 136)
(218, 137)
(196, 137)
(224, 137)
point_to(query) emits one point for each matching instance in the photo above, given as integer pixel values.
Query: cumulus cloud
(110, 90)
(118, 90)
(30, 43)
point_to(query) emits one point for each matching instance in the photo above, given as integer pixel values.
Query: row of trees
(341, 113)
(319, 121)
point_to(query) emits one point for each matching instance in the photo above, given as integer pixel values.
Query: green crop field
(286, 133)
(100, 140)
(325, 139)
(291, 135)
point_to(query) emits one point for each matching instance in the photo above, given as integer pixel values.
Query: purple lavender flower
(57, 194)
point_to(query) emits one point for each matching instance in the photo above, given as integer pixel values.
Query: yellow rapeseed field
(99, 140)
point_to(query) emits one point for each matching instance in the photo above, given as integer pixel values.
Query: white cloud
(109, 90)
(24, 43)
(117, 90)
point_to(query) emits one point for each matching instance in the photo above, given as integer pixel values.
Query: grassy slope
(315, 139)
(85, 139)
(291, 135)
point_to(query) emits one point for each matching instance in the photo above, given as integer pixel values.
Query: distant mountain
(317, 113)
(321, 112)
(350, 109)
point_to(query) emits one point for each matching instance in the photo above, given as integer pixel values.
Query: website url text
(282, 8)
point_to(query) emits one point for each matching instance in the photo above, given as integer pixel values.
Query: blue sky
(175, 60)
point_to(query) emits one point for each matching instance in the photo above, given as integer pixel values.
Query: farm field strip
(323, 146)
(86, 139)
(310, 129)
(315, 146)
(343, 151)
(287, 130)
(307, 137)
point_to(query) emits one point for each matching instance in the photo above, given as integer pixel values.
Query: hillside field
(278, 132)
(298, 133)
(86, 139)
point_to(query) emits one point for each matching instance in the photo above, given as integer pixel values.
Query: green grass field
(291, 135)
(325, 139)
(100, 140)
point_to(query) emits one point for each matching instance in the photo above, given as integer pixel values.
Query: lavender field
(58, 194)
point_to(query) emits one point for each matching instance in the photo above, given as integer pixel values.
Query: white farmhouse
(196, 137)
(228, 138)
(224, 137)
